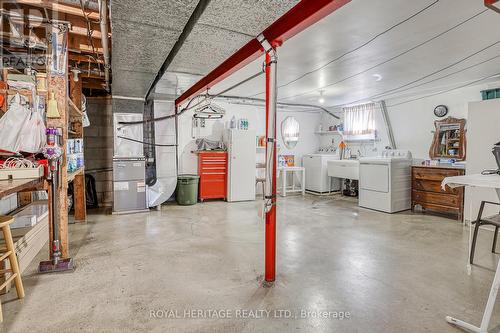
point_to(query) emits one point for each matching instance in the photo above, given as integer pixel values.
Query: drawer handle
(214, 173)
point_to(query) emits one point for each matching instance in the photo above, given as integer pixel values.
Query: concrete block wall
(99, 147)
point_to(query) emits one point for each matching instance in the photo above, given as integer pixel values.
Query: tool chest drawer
(436, 174)
(212, 169)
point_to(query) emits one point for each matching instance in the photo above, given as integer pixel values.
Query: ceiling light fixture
(321, 99)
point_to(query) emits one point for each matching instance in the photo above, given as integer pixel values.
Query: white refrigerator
(242, 151)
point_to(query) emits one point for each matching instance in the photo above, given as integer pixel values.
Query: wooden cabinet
(428, 193)
(212, 169)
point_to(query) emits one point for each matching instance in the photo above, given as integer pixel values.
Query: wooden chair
(9, 252)
(494, 221)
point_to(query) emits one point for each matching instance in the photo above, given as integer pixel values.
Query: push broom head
(62, 265)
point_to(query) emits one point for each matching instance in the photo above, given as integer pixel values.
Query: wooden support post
(79, 199)
(58, 84)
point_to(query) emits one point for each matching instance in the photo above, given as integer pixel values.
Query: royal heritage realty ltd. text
(247, 314)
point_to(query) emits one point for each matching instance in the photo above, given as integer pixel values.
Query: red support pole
(270, 242)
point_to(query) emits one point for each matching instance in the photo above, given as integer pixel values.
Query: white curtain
(359, 119)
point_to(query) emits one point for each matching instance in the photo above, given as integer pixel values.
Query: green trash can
(187, 189)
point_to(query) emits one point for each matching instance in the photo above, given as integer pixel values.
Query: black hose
(146, 143)
(189, 107)
(195, 16)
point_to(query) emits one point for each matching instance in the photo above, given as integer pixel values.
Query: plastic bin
(187, 189)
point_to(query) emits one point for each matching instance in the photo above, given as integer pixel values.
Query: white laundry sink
(344, 169)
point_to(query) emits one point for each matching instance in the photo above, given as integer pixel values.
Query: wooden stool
(263, 182)
(9, 252)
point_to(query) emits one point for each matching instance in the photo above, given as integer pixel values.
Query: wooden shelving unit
(70, 121)
(72, 175)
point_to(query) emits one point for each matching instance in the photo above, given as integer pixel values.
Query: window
(359, 122)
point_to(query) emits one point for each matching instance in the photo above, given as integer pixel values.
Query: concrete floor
(392, 273)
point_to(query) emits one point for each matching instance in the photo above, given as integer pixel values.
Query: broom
(52, 110)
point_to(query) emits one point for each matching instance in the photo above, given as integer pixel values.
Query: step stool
(8, 251)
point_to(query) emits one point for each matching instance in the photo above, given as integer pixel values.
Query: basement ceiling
(145, 32)
(378, 49)
(224, 27)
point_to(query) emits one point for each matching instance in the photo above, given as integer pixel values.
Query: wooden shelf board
(18, 185)
(72, 175)
(74, 111)
(328, 132)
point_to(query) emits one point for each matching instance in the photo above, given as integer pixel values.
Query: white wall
(483, 132)
(413, 122)
(308, 142)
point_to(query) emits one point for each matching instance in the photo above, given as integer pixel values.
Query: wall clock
(441, 110)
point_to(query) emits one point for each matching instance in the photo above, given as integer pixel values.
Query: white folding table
(484, 181)
(282, 173)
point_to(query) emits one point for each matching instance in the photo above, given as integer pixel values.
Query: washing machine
(385, 181)
(317, 179)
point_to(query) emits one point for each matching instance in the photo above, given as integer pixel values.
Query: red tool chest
(212, 169)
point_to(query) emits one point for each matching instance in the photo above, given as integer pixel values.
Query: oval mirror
(290, 132)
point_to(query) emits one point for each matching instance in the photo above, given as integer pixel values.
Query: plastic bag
(86, 120)
(11, 124)
(32, 137)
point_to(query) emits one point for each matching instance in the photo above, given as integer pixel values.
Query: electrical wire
(399, 90)
(144, 142)
(259, 100)
(188, 106)
(447, 67)
(392, 58)
(17, 163)
(425, 76)
(447, 90)
(358, 47)
(90, 31)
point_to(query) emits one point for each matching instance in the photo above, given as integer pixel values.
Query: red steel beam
(491, 4)
(297, 19)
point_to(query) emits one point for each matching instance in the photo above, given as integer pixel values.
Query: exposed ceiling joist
(84, 58)
(93, 84)
(78, 24)
(59, 7)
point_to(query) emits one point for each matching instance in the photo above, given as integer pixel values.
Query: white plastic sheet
(11, 125)
(32, 137)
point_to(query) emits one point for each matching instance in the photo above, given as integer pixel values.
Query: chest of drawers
(428, 194)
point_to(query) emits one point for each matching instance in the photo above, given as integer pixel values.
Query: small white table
(282, 173)
(485, 181)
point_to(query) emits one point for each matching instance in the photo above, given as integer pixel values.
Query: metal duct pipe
(388, 125)
(103, 12)
(260, 100)
(193, 19)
